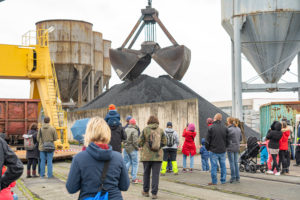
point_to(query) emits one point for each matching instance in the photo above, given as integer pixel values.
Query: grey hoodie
(235, 137)
(175, 146)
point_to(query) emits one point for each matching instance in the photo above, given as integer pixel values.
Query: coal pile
(146, 89)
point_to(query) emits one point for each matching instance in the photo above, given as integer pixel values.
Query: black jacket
(13, 164)
(117, 136)
(217, 139)
(35, 153)
(274, 135)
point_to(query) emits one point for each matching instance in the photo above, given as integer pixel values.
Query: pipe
(233, 108)
(237, 63)
(298, 75)
(79, 103)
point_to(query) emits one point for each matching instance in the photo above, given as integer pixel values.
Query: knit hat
(132, 121)
(112, 107)
(128, 118)
(169, 124)
(209, 121)
(191, 127)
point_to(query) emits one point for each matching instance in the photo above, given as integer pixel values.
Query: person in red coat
(284, 158)
(189, 147)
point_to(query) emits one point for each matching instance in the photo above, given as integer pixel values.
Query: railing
(38, 37)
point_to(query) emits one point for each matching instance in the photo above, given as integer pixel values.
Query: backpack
(28, 142)
(155, 139)
(170, 138)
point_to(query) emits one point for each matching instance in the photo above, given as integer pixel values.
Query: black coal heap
(146, 89)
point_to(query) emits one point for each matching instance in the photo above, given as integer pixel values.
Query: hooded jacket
(146, 153)
(284, 141)
(35, 152)
(274, 135)
(86, 170)
(113, 118)
(217, 138)
(13, 164)
(48, 133)
(176, 138)
(189, 146)
(234, 137)
(117, 136)
(203, 151)
(131, 143)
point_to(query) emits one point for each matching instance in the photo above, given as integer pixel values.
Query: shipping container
(276, 111)
(16, 116)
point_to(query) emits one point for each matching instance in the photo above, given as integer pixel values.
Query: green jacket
(48, 133)
(131, 143)
(146, 153)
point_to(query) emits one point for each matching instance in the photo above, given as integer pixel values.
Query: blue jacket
(204, 153)
(86, 169)
(263, 154)
(113, 118)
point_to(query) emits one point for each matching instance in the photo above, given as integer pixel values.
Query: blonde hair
(218, 116)
(231, 120)
(97, 130)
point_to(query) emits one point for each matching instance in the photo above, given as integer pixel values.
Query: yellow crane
(32, 62)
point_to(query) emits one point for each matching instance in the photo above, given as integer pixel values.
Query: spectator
(13, 164)
(117, 132)
(263, 153)
(6, 193)
(46, 135)
(217, 141)
(291, 137)
(274, 135)
(204, 156)
(131, 150)
(32, 156)
(189, 147)
(284, 155)
(128, 118)
(87, 166)
(152, 140)
(233, 149)
(209, 122)
(170, 151)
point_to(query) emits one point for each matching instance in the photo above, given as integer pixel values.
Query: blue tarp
(78, 129)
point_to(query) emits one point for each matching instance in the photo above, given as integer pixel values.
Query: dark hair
(284, 124)
(152, 120)
(33, 126)
(47, 120)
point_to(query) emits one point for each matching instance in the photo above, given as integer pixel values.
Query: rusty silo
(77, 53)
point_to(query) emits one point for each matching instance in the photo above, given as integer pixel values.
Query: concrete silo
(267, 32)
(77, 53)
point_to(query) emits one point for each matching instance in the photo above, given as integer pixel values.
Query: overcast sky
(194, 23)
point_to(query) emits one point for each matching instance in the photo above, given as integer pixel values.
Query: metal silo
(77, 53)
(267, 32)
(107, 64)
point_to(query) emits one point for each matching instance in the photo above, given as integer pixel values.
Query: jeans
(191, 161)
(215, 157)
(153, 166)
(49, 157)
(132, 160)
(292, 150)
(205, 164)
(234, 165)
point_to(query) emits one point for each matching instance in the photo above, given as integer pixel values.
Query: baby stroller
(248, 159)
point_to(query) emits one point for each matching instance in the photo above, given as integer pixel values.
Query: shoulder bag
(47, 146)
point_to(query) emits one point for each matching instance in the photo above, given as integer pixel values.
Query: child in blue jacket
(263, 154)
(204, 156)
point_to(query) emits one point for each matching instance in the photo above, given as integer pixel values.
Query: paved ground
(185, 186)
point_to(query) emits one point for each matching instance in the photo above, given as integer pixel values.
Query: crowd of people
(111, 151)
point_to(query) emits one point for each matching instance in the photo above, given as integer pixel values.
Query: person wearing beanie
(131, 150)
(209, 121)
(128, 118)
(189, 147)
(170, 151)
(217, 140)
(117, 132)
(204, 156)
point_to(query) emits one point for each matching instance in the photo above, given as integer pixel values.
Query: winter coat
(138, 128)
(217, 139)
(146, 153)
(264, 154)
(6, 193)
(189, 146)
(13, 164)
(284, 141)
(234, 137)
(274, 136)
(117, 136)
(86, 170)
(112, 118)
(131, 143)
(49, 134)
(203, 151)
(176, 138)
(35, 153)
